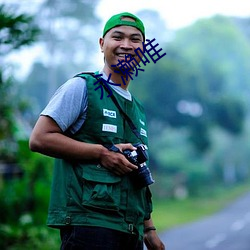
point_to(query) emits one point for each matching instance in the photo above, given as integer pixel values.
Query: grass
(170, 213)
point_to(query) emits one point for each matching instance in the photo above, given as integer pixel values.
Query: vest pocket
(101, 188)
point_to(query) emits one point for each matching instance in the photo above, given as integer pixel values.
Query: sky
(176, 14)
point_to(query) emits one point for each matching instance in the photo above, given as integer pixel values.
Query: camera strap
(125, 116)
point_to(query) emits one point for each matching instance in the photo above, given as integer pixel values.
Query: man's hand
(152, 241)
(116, 162)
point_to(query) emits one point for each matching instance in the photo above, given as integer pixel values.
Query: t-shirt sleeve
(68, 105)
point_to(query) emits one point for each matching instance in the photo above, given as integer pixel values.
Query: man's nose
(126, 44)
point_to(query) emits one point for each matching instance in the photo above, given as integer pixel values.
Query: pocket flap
(98, 173)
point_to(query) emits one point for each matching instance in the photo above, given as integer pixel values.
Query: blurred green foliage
(197, 101)
(24, 203)
(17, 30)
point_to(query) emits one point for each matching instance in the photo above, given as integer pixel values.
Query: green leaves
(206, 67)
(15, 30)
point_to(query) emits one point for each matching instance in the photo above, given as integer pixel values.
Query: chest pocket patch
(109, 128)
(109, 113)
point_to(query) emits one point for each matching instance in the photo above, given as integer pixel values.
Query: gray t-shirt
(68, 106)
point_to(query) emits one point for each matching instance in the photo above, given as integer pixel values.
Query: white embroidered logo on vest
(142, 122)
(109, 113)
(109, 128)
(143, 132)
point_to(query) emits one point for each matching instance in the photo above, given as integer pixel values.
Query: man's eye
(117, 37)
(136, 40)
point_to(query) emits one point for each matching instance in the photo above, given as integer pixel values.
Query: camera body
(142, 177)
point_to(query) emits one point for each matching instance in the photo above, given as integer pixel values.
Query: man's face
(121, 42)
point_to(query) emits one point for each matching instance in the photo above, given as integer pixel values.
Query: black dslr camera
(142, 176)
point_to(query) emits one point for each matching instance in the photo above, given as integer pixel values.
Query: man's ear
(101, 42)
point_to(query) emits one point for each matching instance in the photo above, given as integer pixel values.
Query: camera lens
(144, 176)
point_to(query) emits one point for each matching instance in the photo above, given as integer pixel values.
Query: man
(95, 202)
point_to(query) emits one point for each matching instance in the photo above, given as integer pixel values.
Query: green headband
(116, 20)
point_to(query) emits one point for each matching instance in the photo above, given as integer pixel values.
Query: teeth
(124, 55)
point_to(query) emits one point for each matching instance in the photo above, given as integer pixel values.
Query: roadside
(228, 229)
(170, 213)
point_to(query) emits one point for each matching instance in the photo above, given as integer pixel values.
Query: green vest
(88, 194)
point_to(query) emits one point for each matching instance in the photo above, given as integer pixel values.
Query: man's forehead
(128, 30)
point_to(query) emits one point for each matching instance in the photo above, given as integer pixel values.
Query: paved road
(227, 230)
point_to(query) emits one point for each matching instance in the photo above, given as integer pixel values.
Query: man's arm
(151, 239)
(47, 138)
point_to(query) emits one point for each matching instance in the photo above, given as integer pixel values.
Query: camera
(142, 176)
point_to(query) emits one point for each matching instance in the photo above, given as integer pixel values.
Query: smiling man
(95, 198)
(122, 35)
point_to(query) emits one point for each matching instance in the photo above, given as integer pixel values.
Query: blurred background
(196, 98)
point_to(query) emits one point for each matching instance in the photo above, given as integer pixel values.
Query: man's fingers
(124, 146)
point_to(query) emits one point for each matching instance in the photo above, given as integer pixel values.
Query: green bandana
(116, 20)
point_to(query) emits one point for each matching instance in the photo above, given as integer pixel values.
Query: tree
(16, 31)
(204, 63)
(197, 101)
(68, 36)
(69, 39)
